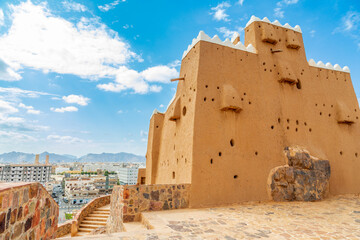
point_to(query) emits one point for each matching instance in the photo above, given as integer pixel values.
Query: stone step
(105, 208)
(81, 229)
(101, 212)
(83, 225)
(96, 219)
(98, 215)
(101, 223)
(79, 234)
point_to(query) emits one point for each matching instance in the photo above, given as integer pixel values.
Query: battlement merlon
(268, 38)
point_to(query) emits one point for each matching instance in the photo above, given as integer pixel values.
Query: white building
(26, 172)
(61, 170)
(80, 190)
(128, 175)
(110, 167)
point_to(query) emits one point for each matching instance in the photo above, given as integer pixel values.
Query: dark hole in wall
(184, 111)
(232, 142)
(235, 176)
(173, 175)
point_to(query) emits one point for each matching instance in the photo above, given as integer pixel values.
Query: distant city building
(110, 167)
(26, 172)
(80, 190)
(61, 170)
(105, 184)
(128, 175)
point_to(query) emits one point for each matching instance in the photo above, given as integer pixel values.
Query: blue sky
(84, 76)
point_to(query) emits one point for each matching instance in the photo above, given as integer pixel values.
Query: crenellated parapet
(215, 39)
(329, 66)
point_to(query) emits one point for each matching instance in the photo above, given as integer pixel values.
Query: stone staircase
(94, 220)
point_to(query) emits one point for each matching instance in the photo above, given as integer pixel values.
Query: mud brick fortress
(249, 122)
(244, 121)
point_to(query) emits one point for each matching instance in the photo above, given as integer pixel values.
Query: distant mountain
(112, 157)
(20, 157)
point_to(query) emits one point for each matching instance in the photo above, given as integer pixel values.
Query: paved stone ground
(334, 218)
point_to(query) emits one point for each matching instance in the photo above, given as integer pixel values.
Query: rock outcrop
(304, 178)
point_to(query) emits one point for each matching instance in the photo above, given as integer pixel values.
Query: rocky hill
(20, 157)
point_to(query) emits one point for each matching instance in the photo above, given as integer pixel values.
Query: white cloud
(161, 106)
(143, 133)
(78, 99)
(30, 109)
(33, 111)
(64, 139)
(15, 136)
(65, 109)
(138, 81)
(7, 108)
(350, 26)
(120, 111)
(227, 33)
(1, 17)
(288, 2)
(155, 88)
(7, 73)
(278, 12)
(312, 33)
(17, 92)
(42, 41)
(74, 6)
(126, 26)
(161, 74)
(351, 21)
(218, 12)
(174, 64)
(241, 2)
(110, 6)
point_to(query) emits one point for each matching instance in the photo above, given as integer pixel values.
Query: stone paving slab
(333, 218)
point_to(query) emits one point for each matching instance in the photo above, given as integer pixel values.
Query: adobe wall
(170, 140)
(128, 201)
(273, 115)
(141, 176)
(27, 211)
(250, 105)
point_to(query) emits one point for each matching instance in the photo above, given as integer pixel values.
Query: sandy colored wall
(27, 211)
(170, 145)
(280, 100)
(141, 175)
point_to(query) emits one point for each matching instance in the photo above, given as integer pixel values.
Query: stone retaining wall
(27, 211)
(63, 229)
(86, 210)
(128, 201)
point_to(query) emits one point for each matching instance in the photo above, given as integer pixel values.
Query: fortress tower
(237, 108)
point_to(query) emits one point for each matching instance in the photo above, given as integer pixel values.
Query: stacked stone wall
(64, 229)
(27, 211)
(73, 225)
(128, 201)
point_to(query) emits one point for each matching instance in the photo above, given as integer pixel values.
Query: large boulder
(304, 178)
